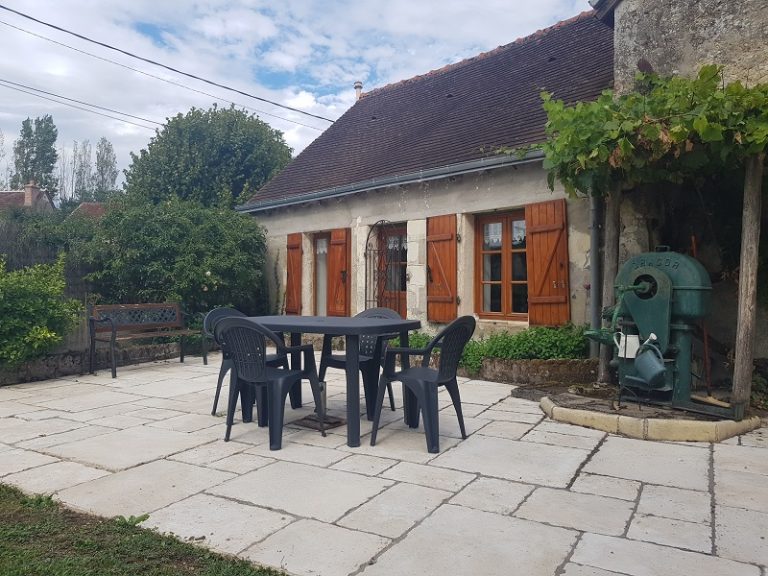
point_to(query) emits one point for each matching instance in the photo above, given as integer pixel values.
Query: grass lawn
(38, 537)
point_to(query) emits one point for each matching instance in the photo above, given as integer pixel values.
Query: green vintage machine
(660, 299)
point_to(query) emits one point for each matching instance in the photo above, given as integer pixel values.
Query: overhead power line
(166, 80)
(80, 102)
(31, 93)
(161, 65)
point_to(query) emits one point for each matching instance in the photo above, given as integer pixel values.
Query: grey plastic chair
(209, 324)
(245, 342)
(370, 360)
(424, 381)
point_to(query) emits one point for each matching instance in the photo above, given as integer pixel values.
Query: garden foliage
(35, 314)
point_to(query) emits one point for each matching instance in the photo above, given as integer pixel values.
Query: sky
(300, 53)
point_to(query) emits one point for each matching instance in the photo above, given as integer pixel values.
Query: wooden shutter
(547, 245)
(293, 275)
(442, 305)
(339, 277)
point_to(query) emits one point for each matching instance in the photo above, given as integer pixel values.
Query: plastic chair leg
(277, 396)
(383, 383)
(428, 401)
(453, 390)
(225, 366)
(234, 392)
(391, 396)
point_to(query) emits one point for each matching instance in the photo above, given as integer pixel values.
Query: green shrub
(35, 315)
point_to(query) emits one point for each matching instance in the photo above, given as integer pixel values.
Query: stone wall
(678, 37)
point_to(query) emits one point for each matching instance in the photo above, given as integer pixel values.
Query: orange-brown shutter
(441, 268)
(339, 277)
(293, 275)
(547, 246)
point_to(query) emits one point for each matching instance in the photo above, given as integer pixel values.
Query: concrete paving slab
(174, 387)
(553, 466)
(487, 544)
(301, 453)
(44, 414)
(210, 452)
(217, 523)
(88, 416)
(741, 490)
(548, 425)
(572, 569)
(51, 478)
(557, 439)
(519, 405)
(16, 460)
(483, 392)
(363, 464)
(14, 430)
(492, 495)
(312, 548)
(646, 559)
(430, 476)
(470, 410)
(652, 462)
(509, 416)
(186, 423)
(241, 463)
(119, 422)
(585, 512)
(303, 490)
(125, 448)
(757, 438)
(40, 444)
(670, 532)
(11, 408)
(741, 459)
(742, 535)
(155, 413)
(86, 401)
(409, 445)
(676, 503)
(142, 489)
(395, 511)
(509, 430)
(606, 486)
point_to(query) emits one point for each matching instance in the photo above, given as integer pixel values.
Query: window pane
(491, 297)
(321, 276)
(492, 236)
(520, 298)
(518, 234)
(492, 267)
(519, 267)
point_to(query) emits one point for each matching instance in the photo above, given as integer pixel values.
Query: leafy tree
(105, 176)
(34, 311)
(177, 251)
(35, 154)
(214, 157)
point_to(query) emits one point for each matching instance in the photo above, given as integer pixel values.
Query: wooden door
(293, 275)
(393, 262)
(442, 304)
(339, 277)
(548, 289)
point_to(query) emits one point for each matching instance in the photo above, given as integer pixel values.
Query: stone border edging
(650, 428)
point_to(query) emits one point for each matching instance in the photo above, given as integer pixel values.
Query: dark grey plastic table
(351, 328)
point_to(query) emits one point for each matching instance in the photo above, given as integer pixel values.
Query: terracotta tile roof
(89, 210)
(459, 113)
(11, 198)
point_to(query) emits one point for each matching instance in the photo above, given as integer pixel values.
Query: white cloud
(306, 54)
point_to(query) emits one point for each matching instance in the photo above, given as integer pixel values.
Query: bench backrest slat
(137, 316)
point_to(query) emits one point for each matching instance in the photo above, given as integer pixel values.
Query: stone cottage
(409, 200)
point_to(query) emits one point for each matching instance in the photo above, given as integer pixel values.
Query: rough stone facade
(678, 37)
(497, 190)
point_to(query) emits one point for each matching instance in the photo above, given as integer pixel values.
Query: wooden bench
(115, 323)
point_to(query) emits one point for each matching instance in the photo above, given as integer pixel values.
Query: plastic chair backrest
(368, 341)
(210, 320)
(452, 340)
(245, 344)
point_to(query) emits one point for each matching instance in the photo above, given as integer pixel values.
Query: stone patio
(521, 495)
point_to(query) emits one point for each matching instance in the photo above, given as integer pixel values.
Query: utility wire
(74, 106)
(80, 102)
(166, 80)
(155, 63)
